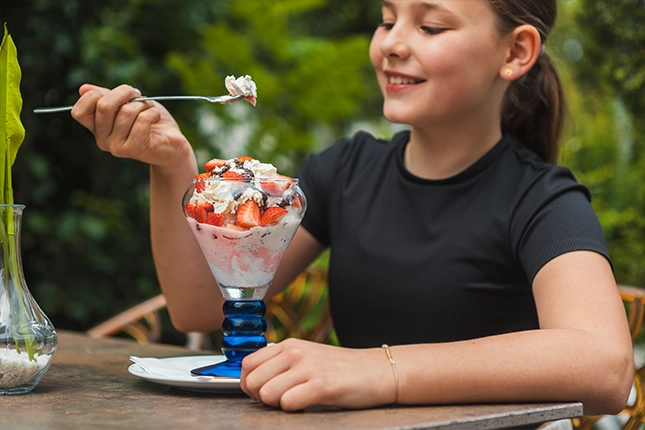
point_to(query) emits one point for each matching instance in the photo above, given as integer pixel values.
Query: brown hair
(533, 108)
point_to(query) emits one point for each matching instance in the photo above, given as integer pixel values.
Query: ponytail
(534, 108)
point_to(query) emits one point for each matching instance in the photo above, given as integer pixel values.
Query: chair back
(301, 310)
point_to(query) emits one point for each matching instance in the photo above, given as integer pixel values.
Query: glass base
(225, 369)
(27, 386)
(244, 327)
(22, 389)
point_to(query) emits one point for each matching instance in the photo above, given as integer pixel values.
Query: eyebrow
(416, 5)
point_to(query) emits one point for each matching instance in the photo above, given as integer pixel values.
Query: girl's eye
(432, 30)
(386, 25)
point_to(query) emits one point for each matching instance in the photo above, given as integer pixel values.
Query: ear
(523, 51)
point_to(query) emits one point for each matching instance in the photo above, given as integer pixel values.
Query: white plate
(185, 380)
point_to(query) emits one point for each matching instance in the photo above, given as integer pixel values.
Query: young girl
(457, 242)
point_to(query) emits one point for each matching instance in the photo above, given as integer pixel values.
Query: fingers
(276, 391)
(97, 107)
(301, 396)
(296, 374)
(272, 374)
(132, 130)
(111, 104)
(260, 356)
(142, 130)
(84, 109)
(250, 365)
(115, 122)
(89, 87)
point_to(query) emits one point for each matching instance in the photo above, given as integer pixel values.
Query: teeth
(399, 80)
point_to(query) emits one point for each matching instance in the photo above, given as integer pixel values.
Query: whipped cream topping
(249, 168)
(219, 194)
(242, 86)
(261, 170)
(227, 196)
(251, 193)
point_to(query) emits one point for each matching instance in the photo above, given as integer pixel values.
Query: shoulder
(538, 179)
(354, 153)
(326, 174)
(551, 212)
(361, 144)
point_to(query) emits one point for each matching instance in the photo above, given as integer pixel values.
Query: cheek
(376, 57)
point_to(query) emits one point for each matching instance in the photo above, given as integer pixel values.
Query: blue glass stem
(244, 327)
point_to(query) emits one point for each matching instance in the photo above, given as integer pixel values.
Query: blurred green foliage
(306, 83)
(601, 45)
(86, 247)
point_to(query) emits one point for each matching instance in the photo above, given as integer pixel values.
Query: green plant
(12, 134)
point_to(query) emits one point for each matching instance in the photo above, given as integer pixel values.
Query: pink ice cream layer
(245, 259)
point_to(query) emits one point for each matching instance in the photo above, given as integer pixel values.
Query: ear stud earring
(508, 71)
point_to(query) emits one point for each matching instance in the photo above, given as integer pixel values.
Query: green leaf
(12, 133)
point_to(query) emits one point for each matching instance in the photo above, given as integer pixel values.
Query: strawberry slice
(272, 215)
(248, 215)
(236, 176)
(235, 227)
(200, 185)
(208, 207)
(213, 164)
(190, 210)
(288, 180)
(271, 188)
(243, 158)
(276, 188)
(215, 219)
(201, 215)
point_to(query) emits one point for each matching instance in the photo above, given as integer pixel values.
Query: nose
(395, 43)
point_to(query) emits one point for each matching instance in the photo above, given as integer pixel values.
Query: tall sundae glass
(244, 216)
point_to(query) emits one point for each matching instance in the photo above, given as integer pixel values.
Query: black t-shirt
(418, 261)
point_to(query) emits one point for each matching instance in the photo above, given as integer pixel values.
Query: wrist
(180, 172)
(393, 370)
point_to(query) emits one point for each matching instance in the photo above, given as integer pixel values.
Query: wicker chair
(300, 311)
(634, 299)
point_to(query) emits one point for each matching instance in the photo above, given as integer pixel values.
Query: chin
(402, 112)
(397, 117)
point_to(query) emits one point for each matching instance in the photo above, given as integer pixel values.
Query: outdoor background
(86, 249)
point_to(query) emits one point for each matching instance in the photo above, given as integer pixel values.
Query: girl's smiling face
(438, 61)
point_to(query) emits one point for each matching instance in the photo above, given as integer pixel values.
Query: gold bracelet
(386, 347)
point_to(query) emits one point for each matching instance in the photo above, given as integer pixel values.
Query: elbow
(189, 326)
(613, 382)
(189, 322)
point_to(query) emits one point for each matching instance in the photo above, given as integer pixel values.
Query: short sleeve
(554, 217)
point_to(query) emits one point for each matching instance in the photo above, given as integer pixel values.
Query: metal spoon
(219, 99)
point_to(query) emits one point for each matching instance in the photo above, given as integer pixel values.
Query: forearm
(193, 299)
(539, 365)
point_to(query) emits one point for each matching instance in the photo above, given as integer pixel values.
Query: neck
(439, 152)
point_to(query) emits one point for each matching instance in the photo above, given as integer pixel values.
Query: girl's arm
(582, 352)
(146, 132)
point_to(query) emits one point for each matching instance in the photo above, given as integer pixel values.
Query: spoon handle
(219, 99)
(53, 109)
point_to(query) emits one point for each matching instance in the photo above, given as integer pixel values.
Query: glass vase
(27, 338)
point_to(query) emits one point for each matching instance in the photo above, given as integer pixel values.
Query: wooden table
(88, 387)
